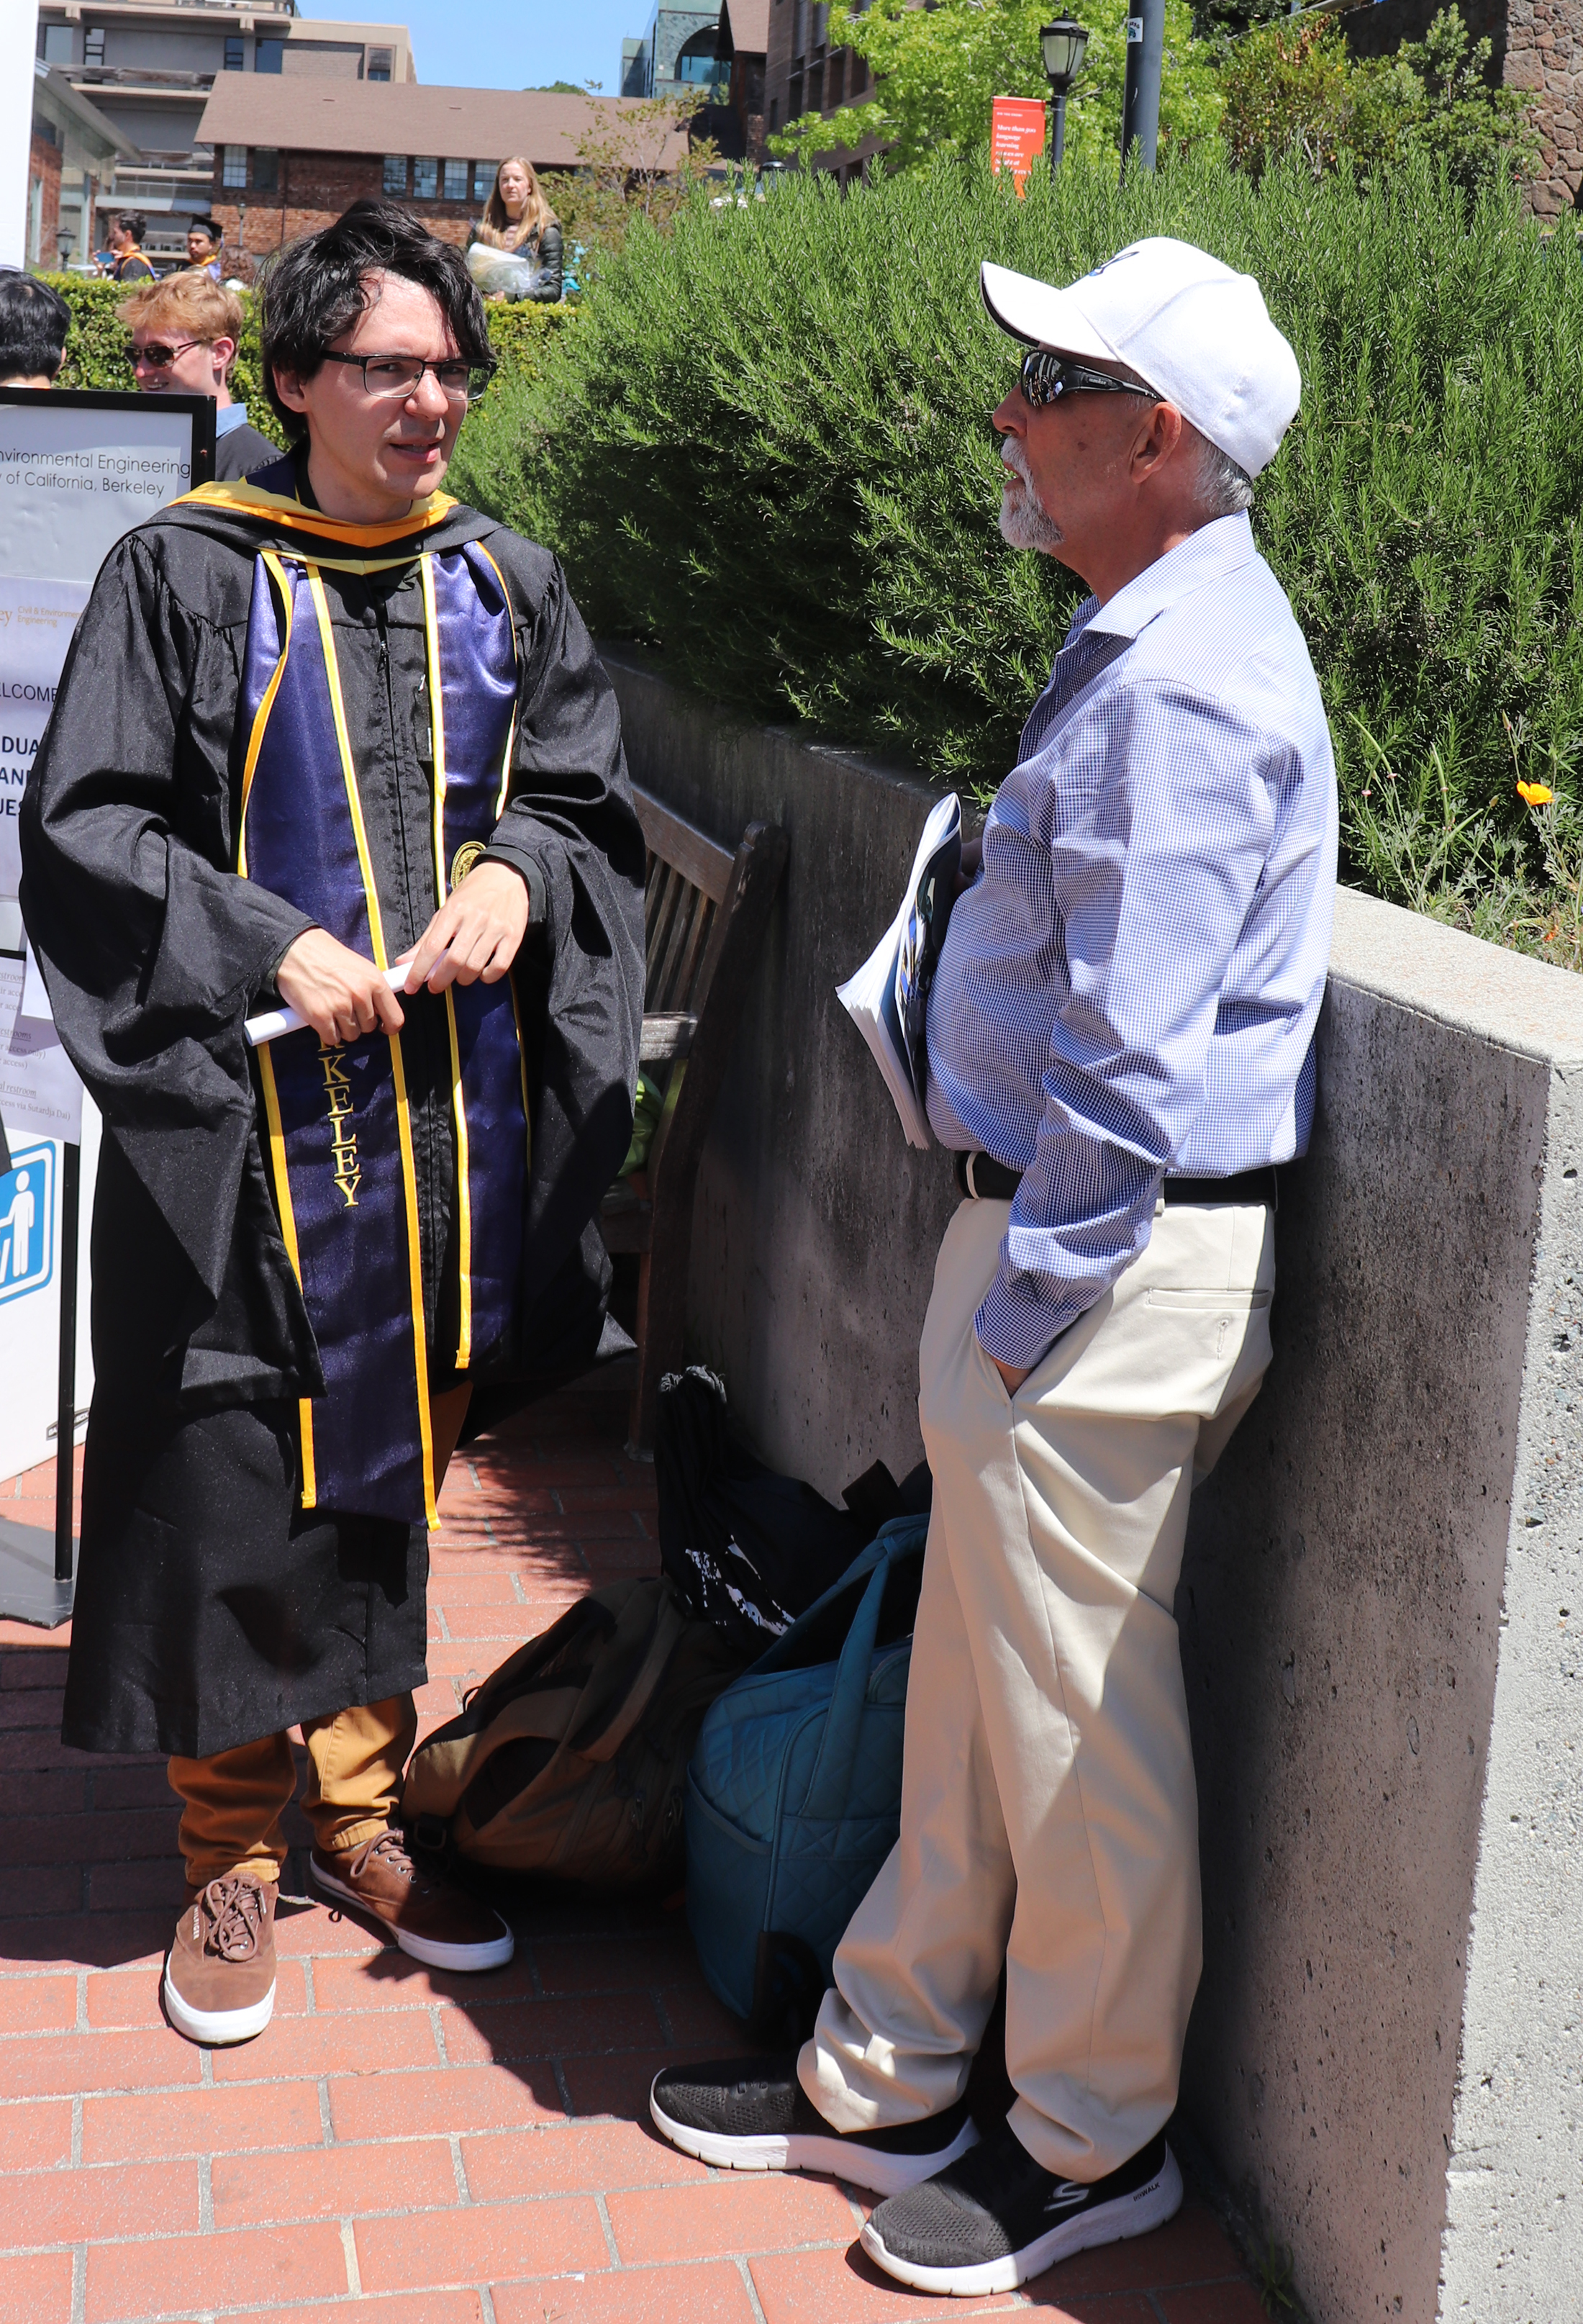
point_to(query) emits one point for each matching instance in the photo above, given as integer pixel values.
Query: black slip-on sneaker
(752, 2114)
(996, 2217)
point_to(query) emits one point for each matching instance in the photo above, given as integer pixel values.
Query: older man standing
(1120, 1051)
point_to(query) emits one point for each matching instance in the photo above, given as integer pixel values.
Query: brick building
(289, 160)
(741, 44)
(803, 74)
(147, 66)
(73, 154)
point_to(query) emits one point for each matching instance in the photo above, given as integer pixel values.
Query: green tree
(1435, 97)
(637, 164)
(937, 70)
(1296, 90)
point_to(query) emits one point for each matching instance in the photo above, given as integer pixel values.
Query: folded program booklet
(888, 998)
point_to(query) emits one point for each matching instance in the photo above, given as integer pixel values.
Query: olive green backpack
(570, 1762)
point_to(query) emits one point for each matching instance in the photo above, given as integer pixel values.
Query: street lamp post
(1062, 43)
(1140, 102)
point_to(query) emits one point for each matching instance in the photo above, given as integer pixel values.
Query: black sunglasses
(1046, 378)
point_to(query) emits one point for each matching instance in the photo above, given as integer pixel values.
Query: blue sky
(506, 44)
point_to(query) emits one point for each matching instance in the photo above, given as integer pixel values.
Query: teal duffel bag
(794, 1793)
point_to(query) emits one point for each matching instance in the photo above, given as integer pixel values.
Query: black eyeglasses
(394, 376)
(1046, 378)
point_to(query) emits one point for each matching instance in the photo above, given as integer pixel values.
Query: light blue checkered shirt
(1131, 984)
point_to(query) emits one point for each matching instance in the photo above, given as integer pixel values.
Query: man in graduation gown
(311, 725)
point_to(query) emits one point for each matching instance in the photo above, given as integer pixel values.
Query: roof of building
(746, 26)
(480, 124)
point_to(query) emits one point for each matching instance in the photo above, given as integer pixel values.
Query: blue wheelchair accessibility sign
(27, 1221)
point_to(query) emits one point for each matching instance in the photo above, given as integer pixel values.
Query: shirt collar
(229, 415)
(1210, 554)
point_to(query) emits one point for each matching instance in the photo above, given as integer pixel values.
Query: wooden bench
(705, 912)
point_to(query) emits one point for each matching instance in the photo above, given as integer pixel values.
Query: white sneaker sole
(494, 1953)
(217, 2028)
(1138, 2214)
(837, 2158)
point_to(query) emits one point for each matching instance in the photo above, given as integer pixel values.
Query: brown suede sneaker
(428, 1915)
(220, 1971)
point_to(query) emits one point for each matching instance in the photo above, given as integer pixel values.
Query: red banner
(1016, 135)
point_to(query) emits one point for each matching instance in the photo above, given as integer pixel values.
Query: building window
(379, 64)
(696, 66)
(395, 173)
(457, 176)
(236, 55)
(266, 168)
(234, 167)
(483, 179)
(425, 177)
(267, 55)
(93, 46)
(55, 45)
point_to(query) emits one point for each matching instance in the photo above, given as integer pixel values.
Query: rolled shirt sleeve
(1157, 829)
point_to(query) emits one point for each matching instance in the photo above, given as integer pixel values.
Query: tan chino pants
(1049, 1813)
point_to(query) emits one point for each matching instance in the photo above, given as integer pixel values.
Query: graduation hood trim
(283, 513)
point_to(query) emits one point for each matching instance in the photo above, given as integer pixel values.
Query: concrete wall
(1383, 1582)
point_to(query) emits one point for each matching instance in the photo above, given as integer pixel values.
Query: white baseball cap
(1199, 335)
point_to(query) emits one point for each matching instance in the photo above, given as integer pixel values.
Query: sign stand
(34, 1586)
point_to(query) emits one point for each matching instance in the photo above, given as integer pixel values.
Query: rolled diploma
(276, 1021)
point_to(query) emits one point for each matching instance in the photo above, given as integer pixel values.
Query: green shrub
(767, 449)
(521, 332)
(97, 357)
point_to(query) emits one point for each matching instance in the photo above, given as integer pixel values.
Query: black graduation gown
(210, 1609)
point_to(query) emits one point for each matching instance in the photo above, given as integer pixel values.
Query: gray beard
(1024, 522)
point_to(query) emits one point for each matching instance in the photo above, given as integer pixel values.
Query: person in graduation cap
(313, 724)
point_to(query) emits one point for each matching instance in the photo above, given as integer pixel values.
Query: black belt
(978, 1176)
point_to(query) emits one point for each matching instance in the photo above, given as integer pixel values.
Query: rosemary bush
(765, 450)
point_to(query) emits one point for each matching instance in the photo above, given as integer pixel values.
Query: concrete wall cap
(1519, 1004)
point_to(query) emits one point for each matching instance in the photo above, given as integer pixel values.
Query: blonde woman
(516, 247)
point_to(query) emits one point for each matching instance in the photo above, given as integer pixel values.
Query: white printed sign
(74, 477)
(36, 622)
(72, 480)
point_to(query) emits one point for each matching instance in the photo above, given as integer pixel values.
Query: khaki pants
(1049, 1816)
(233, 1800)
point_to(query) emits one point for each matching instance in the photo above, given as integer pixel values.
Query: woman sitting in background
(516, 247)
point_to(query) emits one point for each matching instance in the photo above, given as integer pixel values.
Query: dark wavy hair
(317, 287)
(33, 323)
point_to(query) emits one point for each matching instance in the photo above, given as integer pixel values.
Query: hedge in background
(767, 449)
(97, 346)
(521, 332)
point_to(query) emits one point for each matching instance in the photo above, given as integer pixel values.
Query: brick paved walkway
(401, 2146)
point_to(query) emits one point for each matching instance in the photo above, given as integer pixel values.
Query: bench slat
(668, 898)
(665, 1037)
(697, 857)
(666, 994)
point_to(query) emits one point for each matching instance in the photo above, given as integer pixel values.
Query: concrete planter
(1383, 1589)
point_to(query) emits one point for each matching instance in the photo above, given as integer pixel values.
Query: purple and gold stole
(340, 1149)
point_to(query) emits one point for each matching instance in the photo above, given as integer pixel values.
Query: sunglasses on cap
(1046, 378)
